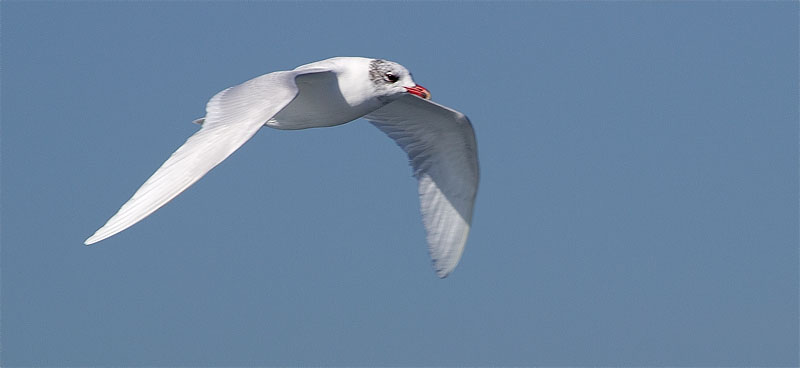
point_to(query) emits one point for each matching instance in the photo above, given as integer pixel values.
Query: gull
(439, 141)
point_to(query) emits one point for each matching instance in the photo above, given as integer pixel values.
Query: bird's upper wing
(441, 148)
(233, 116)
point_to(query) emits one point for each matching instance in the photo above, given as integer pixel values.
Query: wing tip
(96, 237)
(442, 271)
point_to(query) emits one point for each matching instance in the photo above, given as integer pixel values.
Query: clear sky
(638, 201)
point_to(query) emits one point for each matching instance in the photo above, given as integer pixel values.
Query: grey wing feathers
(442, 151)
(233, 116)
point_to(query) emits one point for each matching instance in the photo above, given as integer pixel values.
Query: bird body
(439, 141)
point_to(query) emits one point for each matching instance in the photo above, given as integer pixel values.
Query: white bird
(439, 141)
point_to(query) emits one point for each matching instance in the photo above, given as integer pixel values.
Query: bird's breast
(320, 103)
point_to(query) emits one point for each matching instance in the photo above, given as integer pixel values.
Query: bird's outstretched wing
(233, 116)
(441, 148)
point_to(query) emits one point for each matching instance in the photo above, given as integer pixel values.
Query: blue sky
(638, 201)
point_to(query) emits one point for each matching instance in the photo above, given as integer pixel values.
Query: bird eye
(390, 77)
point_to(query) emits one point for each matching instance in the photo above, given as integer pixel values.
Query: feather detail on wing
(233, 116)
(442, 151)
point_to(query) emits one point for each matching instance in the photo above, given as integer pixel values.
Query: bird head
(392, 80)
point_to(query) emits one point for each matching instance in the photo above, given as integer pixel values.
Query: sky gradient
(638, 201)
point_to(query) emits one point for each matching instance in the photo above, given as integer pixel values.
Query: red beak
(419, 91)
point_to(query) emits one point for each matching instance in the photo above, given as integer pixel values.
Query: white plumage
(439, 141)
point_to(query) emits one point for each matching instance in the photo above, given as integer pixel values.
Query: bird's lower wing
(233, 116)
(441, 148)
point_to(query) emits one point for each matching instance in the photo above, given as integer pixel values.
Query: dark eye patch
(390, 77)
